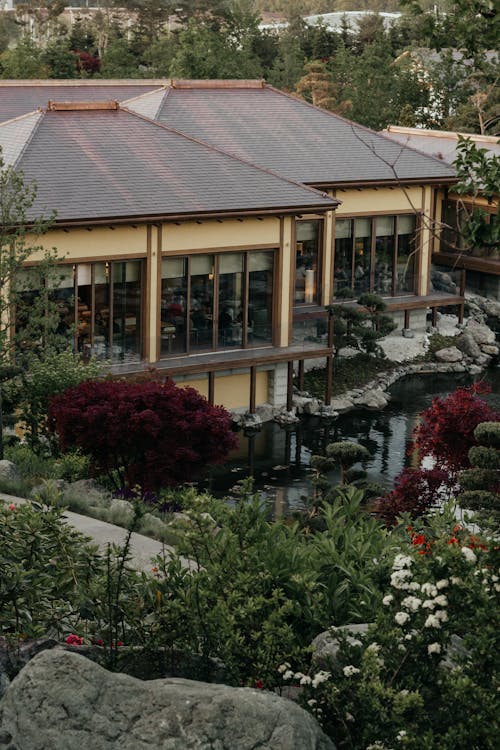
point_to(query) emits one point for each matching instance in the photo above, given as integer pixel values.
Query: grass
(348, 373)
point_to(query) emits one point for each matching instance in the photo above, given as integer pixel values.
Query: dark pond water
(279, 457)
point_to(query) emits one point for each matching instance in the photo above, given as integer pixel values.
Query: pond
(278, 458)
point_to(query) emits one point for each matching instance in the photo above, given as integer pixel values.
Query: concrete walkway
(143, 548)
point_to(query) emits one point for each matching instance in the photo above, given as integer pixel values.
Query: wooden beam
(329, 380)
(211, 387)
(253, 388)
(301, 374)
(289, 386)
(434, 316)
(407, 319)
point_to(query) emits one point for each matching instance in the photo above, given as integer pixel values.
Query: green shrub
(426, 674)
(45, 568)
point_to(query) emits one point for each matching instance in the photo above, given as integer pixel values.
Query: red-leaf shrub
(146, 434)
(415, 491)
(446, 431)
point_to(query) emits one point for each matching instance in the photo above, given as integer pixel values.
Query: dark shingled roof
(103, 164)
(291, 137)
(18, 99)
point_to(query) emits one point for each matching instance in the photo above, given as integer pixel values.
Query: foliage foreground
(254, 595)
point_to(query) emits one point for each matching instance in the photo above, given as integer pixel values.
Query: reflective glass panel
(307, 261)
(230, 328)
(343, 255)
(407, 249)
(384, 254)
(260, 298)
(362, 255)
(173, 305)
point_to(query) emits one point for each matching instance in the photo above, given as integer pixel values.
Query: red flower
(74, 640)
(12, 506)
(418, 539)
(453, 540)
(259, 685)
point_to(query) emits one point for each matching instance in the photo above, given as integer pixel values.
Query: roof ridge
(84, 82)
(353, 124)
(219, 150)
(432, 133)
(140, 97)
(217, 83)
(38, 114)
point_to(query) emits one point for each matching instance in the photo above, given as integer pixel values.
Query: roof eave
(402, 182)
(197, 216)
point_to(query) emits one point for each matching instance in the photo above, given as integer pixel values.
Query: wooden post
(407, 319)
(211, 388)
(253, 388)
(462, 293)
(301, 374)
(329, 362)
(434, 316)
(289, 387)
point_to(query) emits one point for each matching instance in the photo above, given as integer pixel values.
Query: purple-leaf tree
(146, 434)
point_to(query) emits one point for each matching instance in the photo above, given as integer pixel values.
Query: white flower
(429, 604)
(401, 617)
(398, 578)
(288, 675)
(408, 637)
(442, 584)
(432, 622)
(411, 602)
(456, 581)
(311, 702)
(349, 671)
(349, 717)
(320, 677)
(413, 586)
(442, 615)
(305, 680)
(494, 578)
(469, 554)
(401, 735)
(441, 600)
(402, 561)
(497, 586)
(283, 667)
(429, 589)
(434, 648)
(387, 599)
(374, 647)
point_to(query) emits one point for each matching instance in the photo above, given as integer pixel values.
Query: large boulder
(63, 701)
(373, 399)
(481, 333)
(9, 471)
(326, 645)
(468, 345)
(449, 354)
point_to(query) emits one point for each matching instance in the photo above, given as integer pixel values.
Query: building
(482, 265)
(205, 225)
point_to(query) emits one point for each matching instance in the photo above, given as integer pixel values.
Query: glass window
(173, 305)
(201, 302)
(230, 322)
(307, 261)
(229, 297)
(362, 255)
(126, 300)
(343, 255)
(260, 297)
(384, 254)
(385, 266)
(407, 248)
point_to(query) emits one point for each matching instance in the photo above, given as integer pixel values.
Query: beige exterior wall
(232, 391)
(229, 233)
(382, 201)
(99, 243)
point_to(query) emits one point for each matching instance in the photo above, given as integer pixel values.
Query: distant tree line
(430, 68)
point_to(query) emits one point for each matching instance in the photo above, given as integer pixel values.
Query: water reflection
(278, 458)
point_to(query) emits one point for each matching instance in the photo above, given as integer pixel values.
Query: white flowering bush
(426, 674)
